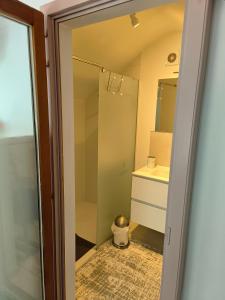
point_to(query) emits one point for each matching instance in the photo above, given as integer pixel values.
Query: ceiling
(115, 43)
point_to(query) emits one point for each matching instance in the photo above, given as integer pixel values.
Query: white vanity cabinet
(149, 198)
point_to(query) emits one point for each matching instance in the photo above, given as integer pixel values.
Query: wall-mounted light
(134, 20)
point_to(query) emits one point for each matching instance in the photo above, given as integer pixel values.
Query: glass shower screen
(20, 242)
(117, 114)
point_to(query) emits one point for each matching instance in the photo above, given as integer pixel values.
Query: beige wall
(153, 67)
(80, 132)
(160, 147)
(86, 147)
(134, 69)
(91, 147)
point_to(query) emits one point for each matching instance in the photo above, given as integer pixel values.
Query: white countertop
(159, 173)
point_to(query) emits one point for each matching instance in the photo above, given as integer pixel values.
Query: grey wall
(205, 265)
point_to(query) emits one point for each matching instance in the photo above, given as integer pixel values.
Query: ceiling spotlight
(134, 20)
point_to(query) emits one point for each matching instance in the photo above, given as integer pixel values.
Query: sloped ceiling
(115, 43)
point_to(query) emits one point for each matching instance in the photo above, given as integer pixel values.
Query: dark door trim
(23, 13)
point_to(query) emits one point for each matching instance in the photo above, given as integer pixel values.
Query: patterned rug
(131, 274)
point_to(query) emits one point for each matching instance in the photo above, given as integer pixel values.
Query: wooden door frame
(191, 79)
(35, 20)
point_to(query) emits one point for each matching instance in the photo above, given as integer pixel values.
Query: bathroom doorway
(124, 111)
(64, 38)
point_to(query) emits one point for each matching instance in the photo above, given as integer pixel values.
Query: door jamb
(195, 42)
(35, 19)
(189, 98)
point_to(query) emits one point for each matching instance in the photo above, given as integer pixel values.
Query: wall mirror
(166, 104)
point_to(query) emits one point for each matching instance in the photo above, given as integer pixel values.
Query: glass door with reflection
(21, 275)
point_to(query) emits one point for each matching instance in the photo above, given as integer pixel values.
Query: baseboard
(80, 262)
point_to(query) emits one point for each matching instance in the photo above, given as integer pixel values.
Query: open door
(27, 256)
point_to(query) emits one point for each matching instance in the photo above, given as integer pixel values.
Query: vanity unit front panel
(148, 216)
(150, 191)
(149, 200)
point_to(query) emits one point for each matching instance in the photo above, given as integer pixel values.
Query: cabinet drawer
(150, 191)
(148, 216)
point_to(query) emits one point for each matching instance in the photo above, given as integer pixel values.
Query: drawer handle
(149, 204)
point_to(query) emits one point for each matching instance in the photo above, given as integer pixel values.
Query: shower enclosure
(105, 133)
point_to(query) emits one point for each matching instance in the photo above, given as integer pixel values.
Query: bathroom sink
(159, 173)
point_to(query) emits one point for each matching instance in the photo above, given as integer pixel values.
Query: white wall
(58, 5)
(16, 86)
(132, 6)
(153, 67)
(36, 3)
(149, 67)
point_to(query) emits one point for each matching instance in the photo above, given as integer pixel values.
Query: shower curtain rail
(88, 62)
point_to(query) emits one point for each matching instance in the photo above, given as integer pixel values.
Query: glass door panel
(204, 271)
(20, 238)
(118, 98)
